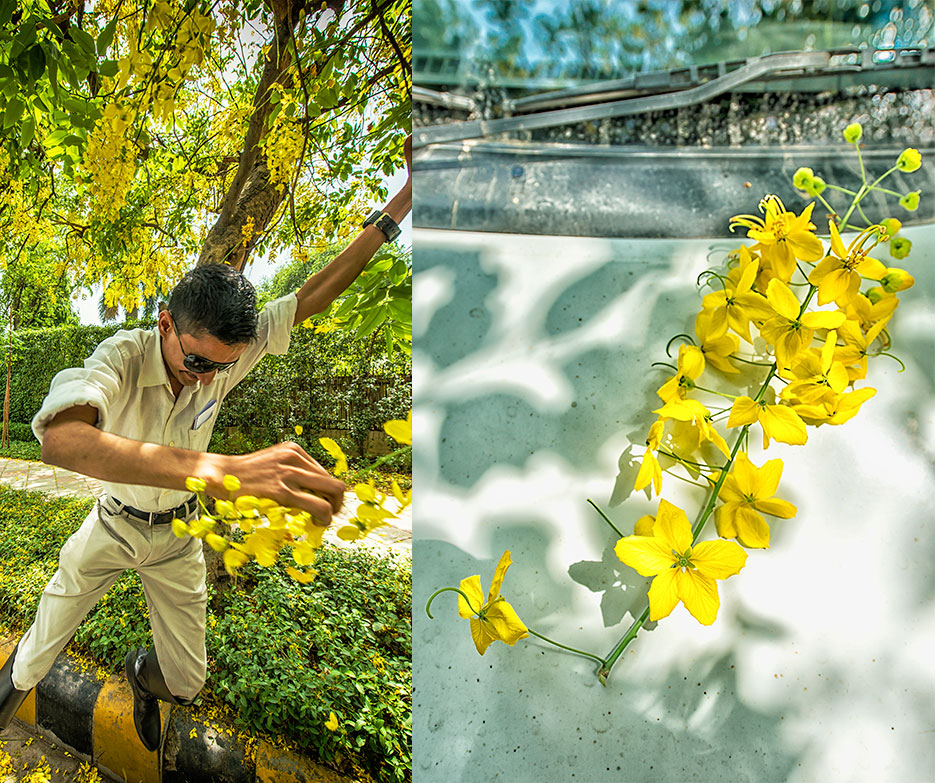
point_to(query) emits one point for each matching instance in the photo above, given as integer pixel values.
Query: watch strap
(384, 222)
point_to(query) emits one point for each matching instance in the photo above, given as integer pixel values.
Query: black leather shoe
(146, 716)
(11, 698)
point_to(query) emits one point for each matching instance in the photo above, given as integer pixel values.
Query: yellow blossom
(838, 274)
(747, 491)
(817, 375)
(782, 237)
(494, 620)
(716, 350)
(787, 331)
(332, 723)
(231, 483)
(690, 366)
(734, 307)
(694, 412)
(193, 484)
(682, 572)
(778, 421)
(649, 467)
(400, 430)
(340, 461)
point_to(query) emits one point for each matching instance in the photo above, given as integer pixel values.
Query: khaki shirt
(126, 380)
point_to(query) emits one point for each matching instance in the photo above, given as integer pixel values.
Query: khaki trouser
(172, 570)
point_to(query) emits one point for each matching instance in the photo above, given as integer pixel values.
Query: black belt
(159, 517)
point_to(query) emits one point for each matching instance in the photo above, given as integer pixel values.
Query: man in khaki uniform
(138, 416)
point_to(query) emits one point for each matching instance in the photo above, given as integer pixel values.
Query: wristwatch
(384, 222)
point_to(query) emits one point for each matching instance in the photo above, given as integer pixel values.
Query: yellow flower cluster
(817, 350)
(282, 147)
(109, 163)
(266, 526)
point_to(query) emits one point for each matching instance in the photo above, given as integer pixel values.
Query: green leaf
(10, 87)
(14, 111)
(84, 39)
(6, 11)
(108, 68)
(36, 63)
(27, 131)
(106, 38)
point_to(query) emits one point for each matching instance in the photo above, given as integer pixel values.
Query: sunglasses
(198, 364)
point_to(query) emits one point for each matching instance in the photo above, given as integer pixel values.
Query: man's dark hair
(217, 299)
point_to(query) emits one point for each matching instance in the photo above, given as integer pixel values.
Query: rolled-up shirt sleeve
(97, 384)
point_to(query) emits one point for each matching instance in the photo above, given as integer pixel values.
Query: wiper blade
(679, 88)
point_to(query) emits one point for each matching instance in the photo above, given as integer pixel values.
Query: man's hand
(287, 474)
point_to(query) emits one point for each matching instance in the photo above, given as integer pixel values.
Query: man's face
(205, 346)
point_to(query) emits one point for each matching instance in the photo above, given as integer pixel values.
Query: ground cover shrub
(281, 654)
(23, 449)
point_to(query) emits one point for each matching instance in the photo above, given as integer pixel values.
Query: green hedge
(283, 655)
(280, 392)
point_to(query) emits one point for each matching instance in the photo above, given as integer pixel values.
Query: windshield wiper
(677, 88)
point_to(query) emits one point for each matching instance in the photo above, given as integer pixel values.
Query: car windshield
(642, 119)
(526, 46)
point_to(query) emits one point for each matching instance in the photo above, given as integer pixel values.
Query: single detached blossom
(682, 572)
(747, 491)
(495, 619)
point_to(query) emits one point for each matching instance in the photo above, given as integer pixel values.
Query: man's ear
(164, 322)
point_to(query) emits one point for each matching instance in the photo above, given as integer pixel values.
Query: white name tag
(204, 414)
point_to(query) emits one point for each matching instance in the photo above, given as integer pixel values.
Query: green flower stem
(831, 209)
(719, 394)
(750, 361)
(566, 647)
(611, 659)
(606, 518)
(863, 171)
(460, 592)
(902, 366)
(385, 458)
(706, 513)
(890, 192)
(842, 190)
(864, 190)
(699, 465)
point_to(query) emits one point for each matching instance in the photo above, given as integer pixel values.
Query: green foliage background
(281, 654)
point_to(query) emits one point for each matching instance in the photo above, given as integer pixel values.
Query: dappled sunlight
(821, 641)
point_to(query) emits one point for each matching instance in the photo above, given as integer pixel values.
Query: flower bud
(910, 160)
(247, 504)
(853, 132)
(216, 542)
(231, 483)
(803, 178)
(179, 528)
(644, 525)
(225, 508)
(876, 293)
(892, 226)
(298, 429)
(193, 484)
(910, 201)
(816, 186)
(900, 247)
(896, 280)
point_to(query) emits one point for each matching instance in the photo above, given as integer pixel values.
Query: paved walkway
(39, 477)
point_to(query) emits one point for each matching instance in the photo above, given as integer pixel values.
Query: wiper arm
(787, 64)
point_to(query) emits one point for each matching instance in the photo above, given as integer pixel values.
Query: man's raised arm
(325, 286)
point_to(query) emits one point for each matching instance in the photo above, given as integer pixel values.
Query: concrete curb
(91, 714)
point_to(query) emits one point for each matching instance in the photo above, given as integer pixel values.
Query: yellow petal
(663, 595)
(649, 471)
(302, 576)
(783, 424)
(350, 533)
(234, 559)
(691, 361)
(482, 634)
(673, 527)
(805, 245)
(718, 559)
(776, 507)
(499, 573)
(823, 319)
(752, 529)
(743, 411)
(504, 623)
(647, 555)
(179, 528)
(837, 246)
(216, 542)
(767, 478)
(332, 723)
(744, 474)
(400, 431)
(699, 594)
(725, 519)
(782, 299)
(470, 586)
(644, 525)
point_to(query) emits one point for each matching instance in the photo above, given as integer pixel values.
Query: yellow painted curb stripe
(116, 744)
